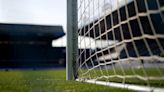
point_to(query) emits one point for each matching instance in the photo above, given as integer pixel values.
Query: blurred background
(31, 33)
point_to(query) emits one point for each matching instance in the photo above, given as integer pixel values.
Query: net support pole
(72, 40)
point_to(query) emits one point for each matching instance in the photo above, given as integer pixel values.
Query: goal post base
(126, 86)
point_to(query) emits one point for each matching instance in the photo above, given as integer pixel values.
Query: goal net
(121, 41)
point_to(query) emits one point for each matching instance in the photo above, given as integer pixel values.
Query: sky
(49, 12)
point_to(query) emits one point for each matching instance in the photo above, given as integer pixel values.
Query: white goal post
(117, 43)
(72, 40)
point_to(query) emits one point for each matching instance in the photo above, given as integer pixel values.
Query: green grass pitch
(46, 81)
(153, 72)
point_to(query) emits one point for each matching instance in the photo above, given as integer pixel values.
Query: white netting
(125, 41)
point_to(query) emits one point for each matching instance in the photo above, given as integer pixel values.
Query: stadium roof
(31, 31)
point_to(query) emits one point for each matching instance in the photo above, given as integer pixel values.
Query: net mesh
(121, 41)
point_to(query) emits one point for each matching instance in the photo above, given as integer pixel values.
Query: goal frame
(72, 40)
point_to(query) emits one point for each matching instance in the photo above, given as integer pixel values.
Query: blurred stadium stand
(30, 46)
